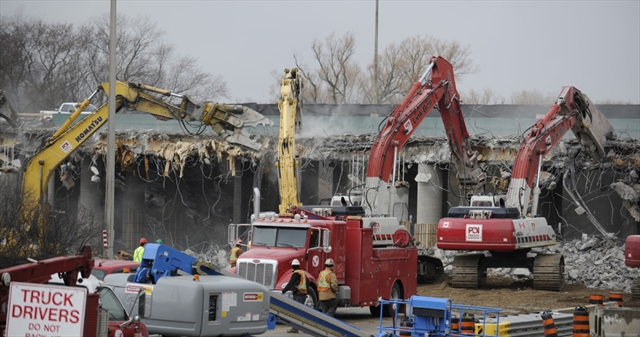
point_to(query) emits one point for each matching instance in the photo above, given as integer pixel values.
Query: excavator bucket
(253, 118)
(230, 121)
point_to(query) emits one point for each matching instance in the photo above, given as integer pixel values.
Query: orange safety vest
(233, 256)
(302, 286)
(324, 280)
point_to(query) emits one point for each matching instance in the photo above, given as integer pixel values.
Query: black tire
(396, 293)
(389, 310)
(312, 298)
(375, 311)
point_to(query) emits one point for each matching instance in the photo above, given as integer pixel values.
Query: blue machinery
(433, 316)
(160, 261)
(427, 316)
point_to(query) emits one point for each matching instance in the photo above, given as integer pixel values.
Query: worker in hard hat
(159, 241)
(328, 289)
(235, 253)
(137, 254)
(298, 286)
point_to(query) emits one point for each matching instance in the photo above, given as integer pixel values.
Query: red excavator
(438, 92)
(502, 229)
(385, 204)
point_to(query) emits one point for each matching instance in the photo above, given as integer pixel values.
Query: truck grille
(262, 272)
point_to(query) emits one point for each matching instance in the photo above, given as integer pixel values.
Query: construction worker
(159, 241)
(137, 254)
(327, 289)
(298, 286)
(235, 253)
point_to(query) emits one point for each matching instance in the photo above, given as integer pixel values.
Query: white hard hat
(329, 262)
(295, 262)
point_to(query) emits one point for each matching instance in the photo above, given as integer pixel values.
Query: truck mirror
(232, 234)
(326, 240)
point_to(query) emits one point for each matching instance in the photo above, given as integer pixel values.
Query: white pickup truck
(66, 108)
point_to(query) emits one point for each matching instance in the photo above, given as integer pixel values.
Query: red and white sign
(66, 146)
(474, 233)
(134, 288)
(45, 310)
(407, 126)
(252, 297)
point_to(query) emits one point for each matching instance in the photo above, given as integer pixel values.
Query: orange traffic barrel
(616, 297)
(455, 323)
(596, 299)
(549, 325)
(581, 322)
(467, 326)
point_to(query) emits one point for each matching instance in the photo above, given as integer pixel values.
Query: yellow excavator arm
(227, 121)
(288, 162)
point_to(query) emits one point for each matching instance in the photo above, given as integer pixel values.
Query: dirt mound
(518, 297)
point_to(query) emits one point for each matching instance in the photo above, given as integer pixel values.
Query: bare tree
(458, 55)
(401, 65)
(312, 91)
(337, 69)
(417, 51)
(41, 63)
(185, 76)
(484, 97)
(143, 56)
(44, 64)
(38, 232)
(532, 97)
(391, 86)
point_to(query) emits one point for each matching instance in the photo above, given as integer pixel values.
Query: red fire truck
(367, 264)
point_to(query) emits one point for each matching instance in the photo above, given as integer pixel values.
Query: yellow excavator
(290, 106)
(228, 121)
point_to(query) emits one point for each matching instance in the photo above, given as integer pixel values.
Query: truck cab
(276, 241)
(365, 268)
(67, 108)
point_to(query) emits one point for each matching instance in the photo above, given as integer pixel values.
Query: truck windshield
(111, 303)
(279, 237)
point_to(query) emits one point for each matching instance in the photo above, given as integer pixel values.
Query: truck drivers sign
(42, 310)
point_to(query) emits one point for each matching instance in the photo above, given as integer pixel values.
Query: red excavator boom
(507, 231)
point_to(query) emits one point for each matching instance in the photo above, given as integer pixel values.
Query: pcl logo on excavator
(408, 126)
(474, 233)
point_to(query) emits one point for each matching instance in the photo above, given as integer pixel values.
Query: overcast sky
(518, 45)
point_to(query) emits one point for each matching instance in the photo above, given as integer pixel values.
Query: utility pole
(375, 62)
(111, 138)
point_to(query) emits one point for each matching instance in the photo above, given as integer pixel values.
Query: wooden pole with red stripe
(105, 242)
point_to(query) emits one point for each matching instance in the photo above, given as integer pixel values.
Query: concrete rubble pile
(597, 263)
(594, 261)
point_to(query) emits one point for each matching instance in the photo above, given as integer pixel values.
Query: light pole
(111, 138)
(375, 62)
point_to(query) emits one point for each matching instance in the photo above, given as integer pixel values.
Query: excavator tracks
(635, 289)
(548, 272)
(467, 272)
